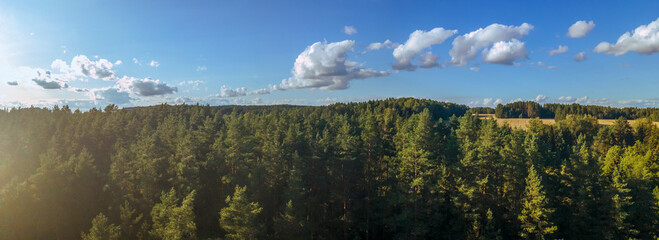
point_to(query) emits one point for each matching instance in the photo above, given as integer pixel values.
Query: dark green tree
(535, 218)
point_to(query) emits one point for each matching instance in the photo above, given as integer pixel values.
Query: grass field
(523, 122)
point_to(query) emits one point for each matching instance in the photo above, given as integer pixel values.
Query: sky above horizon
(480, 53)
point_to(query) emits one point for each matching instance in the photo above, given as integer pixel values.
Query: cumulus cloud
(379, 45)
(491, 101)
(559, 50)
(81, 66)
(111, 95)
(580, 29)
(12, 83)
(466, 47)
(568, 99)
(643, 40)
(118, 62)
(505, 52)
(428, 60)
(47, 81)
(516, 100)
(324, 65)
(580, 57)
(136, 61)
(350, 30)
(229, 92)
(418, 41)
(541, 98)
(261, 91)
(154, 63)
(145, 86)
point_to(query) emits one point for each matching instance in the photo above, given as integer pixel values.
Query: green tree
(171, 221)
(101, 230)
(621, 228)
(535, 217)
(238, 219)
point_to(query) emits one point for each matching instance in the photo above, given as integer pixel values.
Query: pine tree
(173, 222)
(238, 219)
(621, 227)
(101, 230)
(535, 216)
(491, 230)
(287, 225)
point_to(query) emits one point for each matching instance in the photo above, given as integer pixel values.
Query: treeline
(391, 169)
(530, 109)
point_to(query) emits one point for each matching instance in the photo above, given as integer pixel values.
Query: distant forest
(391, 169)
(532, 109)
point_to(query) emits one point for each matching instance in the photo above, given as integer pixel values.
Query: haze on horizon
(94, 53)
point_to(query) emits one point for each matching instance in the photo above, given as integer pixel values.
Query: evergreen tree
(287, 224)
(238, 219)
(101, 230)
(535, 216)
(171, 221)
(621, 228)
(491, 230)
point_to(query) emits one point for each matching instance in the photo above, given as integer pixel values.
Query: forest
(531, 109)
(388, 169)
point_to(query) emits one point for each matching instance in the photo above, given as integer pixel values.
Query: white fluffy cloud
(418, 41)
(82, 66)
(350, 30)
(505, 52)
(541, 98)
(580, 29)
(154, 63)
(643, 40)
(559, 50)
(466, 47)
(568, 99)
(379, 45)
(428, 60)
(580, 57)
(228, 92)
(491, 101)
(324, 65)
(145, 86)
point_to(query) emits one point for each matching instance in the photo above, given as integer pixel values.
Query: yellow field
(523, 122)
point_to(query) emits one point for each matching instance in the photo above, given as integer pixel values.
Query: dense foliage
(392, 169)
(532, 109)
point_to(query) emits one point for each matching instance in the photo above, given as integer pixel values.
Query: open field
(523, 122)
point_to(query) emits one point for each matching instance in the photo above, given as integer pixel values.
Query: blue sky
(93, 53)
